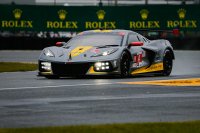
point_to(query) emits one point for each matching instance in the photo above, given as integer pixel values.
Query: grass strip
(17, 66)
(163, 127)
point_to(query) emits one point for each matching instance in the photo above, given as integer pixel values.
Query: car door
(138, 54)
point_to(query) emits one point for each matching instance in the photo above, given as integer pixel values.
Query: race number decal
(137, 59)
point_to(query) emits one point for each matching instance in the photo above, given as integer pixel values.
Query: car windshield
(96, 40)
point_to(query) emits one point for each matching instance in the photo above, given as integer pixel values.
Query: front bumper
(73, 69)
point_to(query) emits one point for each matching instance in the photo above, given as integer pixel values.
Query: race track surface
(27, 100)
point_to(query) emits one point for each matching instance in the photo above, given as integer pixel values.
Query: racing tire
(52, 77)
(124, 65)
(167, 63)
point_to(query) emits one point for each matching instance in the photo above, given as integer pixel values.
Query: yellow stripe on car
(91, 71)
(79, 50)
(47, 73)
(102, 30)
(152, 68)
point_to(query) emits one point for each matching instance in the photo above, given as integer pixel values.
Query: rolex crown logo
(17, 13)
(62, 14)
(181, 13)
(144, 14)
(101, 14)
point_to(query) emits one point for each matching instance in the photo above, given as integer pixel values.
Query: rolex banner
(64, 18)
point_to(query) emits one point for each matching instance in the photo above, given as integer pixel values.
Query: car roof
(106, 31)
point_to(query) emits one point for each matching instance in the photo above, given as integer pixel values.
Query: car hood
(80, 53)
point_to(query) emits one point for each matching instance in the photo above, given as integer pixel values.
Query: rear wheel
(167, 63)
(125, 65)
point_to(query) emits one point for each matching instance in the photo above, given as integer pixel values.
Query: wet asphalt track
(27, 100)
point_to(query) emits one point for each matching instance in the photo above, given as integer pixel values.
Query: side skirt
(153, 68)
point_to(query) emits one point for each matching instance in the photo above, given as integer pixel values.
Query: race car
(107, 52)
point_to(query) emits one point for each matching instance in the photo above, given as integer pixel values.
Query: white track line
(55, 86)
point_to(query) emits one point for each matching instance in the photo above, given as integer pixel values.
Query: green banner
(64, 18)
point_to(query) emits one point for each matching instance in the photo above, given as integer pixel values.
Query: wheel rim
(168, 65)
(125, 67)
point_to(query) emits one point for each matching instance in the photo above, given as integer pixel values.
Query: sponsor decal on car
(152, 68)
(138, 59)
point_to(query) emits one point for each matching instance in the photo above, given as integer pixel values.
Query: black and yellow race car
(107, 52)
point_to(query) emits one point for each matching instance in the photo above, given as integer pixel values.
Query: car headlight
(105, 66)
(46, 66)
(48, 53)
(108, 52)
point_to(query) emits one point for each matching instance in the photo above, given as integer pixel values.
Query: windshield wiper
(106, 46)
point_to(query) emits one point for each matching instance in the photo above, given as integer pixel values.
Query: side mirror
(136, 44)
(60, 44)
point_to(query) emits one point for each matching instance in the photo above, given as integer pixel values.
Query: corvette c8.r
(107, 52)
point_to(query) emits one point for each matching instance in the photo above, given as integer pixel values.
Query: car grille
(70, 68)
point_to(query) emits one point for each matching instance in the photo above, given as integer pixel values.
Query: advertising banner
(80, 18)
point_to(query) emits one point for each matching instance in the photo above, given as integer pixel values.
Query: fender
(129, 53)
(151, 52)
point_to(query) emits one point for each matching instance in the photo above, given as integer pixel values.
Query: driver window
(142, 39)
(132, 38)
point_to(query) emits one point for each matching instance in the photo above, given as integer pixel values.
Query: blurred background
(35, 24)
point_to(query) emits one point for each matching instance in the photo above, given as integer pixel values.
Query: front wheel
(124, 65)
(167, 63)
